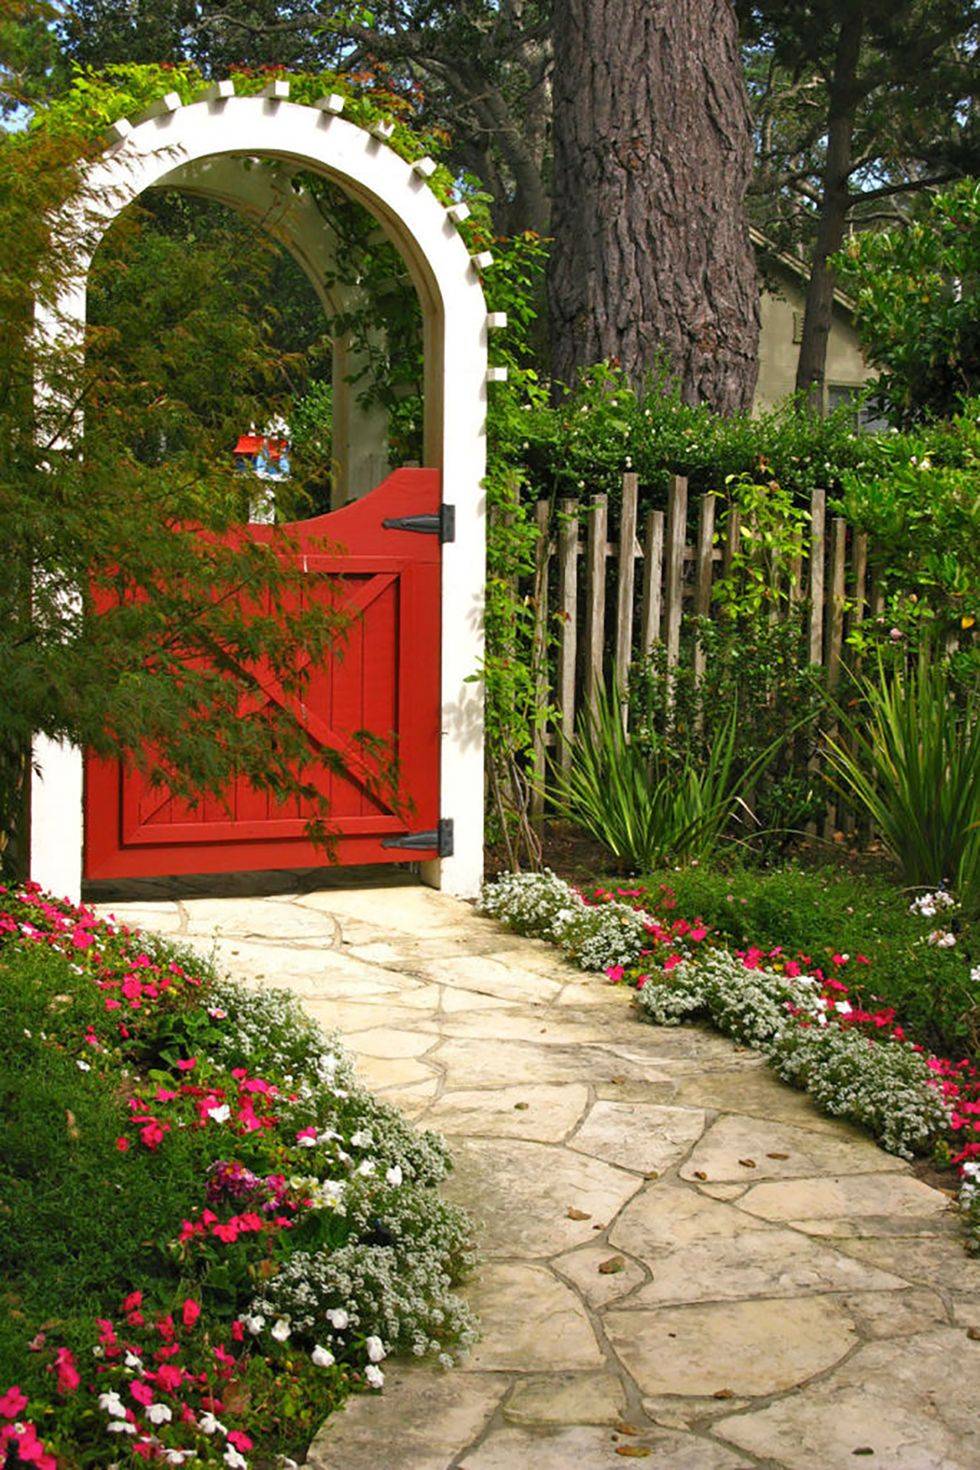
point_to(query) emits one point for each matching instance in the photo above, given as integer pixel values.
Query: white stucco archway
(455, 338)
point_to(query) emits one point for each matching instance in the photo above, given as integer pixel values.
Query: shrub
(917, 309)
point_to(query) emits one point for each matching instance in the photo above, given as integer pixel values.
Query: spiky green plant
(648, 810)
(908, 751)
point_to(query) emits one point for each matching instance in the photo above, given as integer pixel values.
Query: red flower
(190, 1312)
(122, 1144)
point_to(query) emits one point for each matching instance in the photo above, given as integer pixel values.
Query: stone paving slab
(683, 1262)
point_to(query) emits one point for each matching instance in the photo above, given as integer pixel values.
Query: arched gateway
(77, 810)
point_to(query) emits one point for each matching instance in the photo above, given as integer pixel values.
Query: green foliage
(910, 755)
(918, 307)
(826, 912)
(650, 803)
(921, 511)
(583, 444)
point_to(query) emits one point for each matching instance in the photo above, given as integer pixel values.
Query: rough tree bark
(653, 155)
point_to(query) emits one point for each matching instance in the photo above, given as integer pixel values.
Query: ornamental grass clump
(646, 807)
(911, 758)
(213, 1233)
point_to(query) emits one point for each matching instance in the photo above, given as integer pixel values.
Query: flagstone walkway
(683, 1261)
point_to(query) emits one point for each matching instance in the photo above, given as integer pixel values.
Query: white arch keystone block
(458, 212)
(496, 375)
(333, 103)
(455, 314)
(277, 91)
(163, 107)
(496, 320)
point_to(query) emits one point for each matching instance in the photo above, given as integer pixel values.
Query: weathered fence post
(653, 572)
(674, 577)
(595, 597)
(568, 551)
(703, 573)
(539, 653)
(624, 585)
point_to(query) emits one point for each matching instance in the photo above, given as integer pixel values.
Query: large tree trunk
(653, 155)
(812, 365)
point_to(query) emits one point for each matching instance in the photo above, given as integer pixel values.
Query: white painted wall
(454, 314)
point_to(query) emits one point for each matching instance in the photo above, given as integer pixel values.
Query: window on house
(867, 418)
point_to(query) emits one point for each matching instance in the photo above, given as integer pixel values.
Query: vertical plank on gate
(835, 621)
(595, 597)
(674, 578)
(704, 568)
(818, 528)
(542, 560)
(624, 581)
(568, 550)
(653, 573)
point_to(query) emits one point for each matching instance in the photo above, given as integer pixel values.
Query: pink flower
(672, 961)
(142, 1392)
(227, 1233)
(122, 1144)
(791, 968)
(190, 1312)
(165, 1094)
(698, 933)
(131, 1302)
(239, 1440)
(614, 974)
(186, 1064)
(68, 1376)
(13, 1402)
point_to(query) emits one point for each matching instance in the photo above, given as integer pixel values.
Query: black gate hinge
(442, 524)
(441, 838)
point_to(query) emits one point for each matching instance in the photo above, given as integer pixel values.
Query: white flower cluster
(969, 1203)
(348, 1299)
(928, 905)
(884, 1086)
(546, 907)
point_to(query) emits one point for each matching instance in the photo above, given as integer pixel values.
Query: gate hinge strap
(442, 524)
(441, 838)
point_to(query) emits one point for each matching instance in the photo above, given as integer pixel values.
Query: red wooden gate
(385, 682)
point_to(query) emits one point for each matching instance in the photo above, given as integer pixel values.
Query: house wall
(779, 354)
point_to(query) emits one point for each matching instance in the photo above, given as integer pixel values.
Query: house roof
(795, 267)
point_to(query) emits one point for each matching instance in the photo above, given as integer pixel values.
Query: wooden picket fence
(605, 622)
